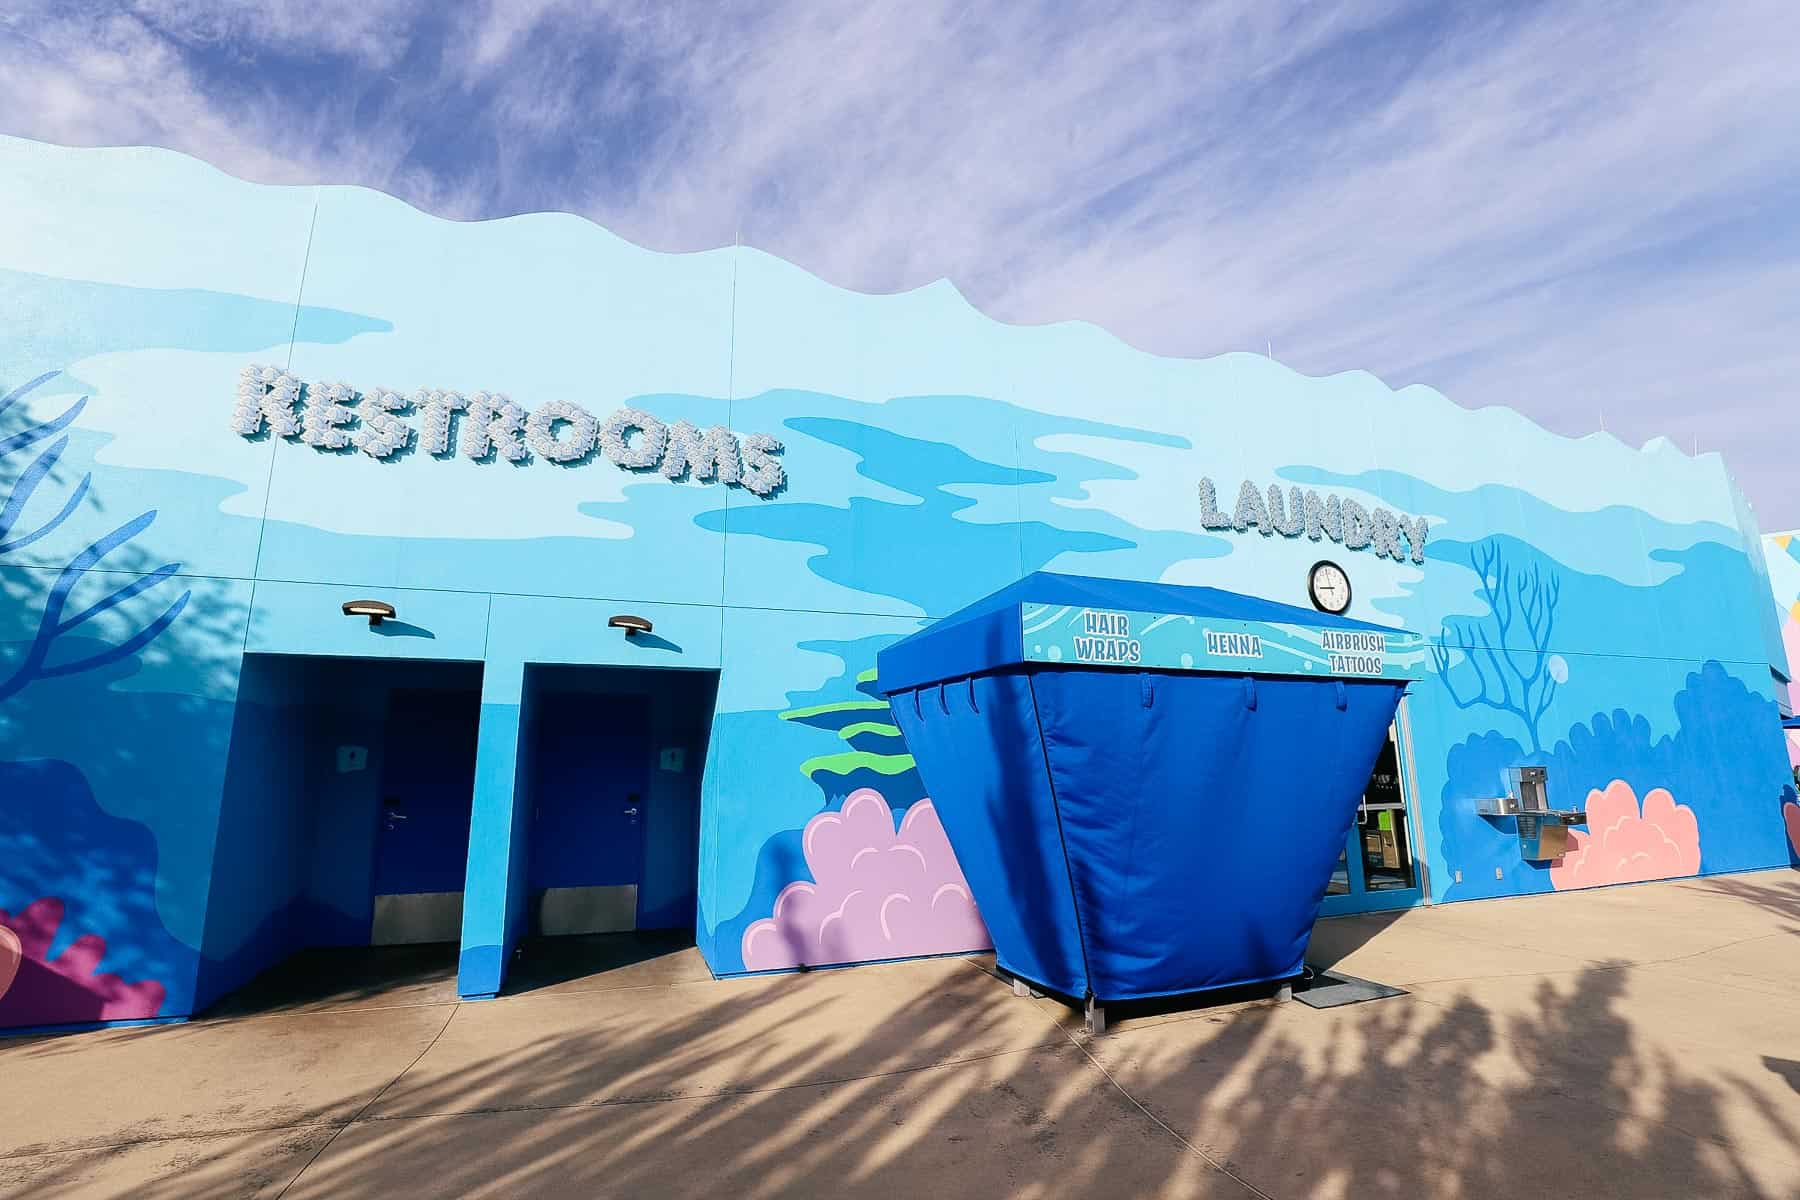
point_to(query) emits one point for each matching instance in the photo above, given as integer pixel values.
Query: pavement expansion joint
(326, 1145)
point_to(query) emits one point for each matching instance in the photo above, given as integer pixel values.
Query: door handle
(632, 811)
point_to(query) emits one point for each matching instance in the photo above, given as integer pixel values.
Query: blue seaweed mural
(80, 855)
(1513, 679)
(56, 624)
(26, 485)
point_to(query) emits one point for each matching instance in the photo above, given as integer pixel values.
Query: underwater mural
(545, 426)
(38, 987)
(1507, 677)
(875, 892)
(1628, 844)
(1782, 553)
(12, 953)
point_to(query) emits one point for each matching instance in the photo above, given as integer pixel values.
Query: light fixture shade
(375, 610)
(629, 624)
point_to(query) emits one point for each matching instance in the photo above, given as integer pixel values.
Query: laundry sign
(489, 427)
(1303, 511)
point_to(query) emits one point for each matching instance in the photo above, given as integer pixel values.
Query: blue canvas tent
(1147, 785)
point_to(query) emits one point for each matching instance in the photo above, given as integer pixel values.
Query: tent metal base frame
(1094, 1010)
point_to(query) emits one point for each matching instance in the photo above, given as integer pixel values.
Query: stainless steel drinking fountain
(1543, 831)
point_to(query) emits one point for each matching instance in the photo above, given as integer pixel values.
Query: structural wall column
(499, 838)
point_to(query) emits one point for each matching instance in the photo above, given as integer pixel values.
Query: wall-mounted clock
(1329, 587)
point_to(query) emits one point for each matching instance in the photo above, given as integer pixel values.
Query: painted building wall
(1597, 608)
(1781, 553)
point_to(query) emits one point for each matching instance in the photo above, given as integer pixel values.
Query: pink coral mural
(38, 990)
(11, 953)
(1625, 845)
(1790, 813)
(874, 893)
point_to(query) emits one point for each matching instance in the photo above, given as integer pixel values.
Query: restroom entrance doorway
(343, 824)
(611, 767)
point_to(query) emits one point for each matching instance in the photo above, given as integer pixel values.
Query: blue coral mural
(229, 408)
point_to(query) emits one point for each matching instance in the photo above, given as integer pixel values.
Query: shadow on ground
(551, 962)
(323, 979)
(1778, 901)
(346, 977)
(932, 1079)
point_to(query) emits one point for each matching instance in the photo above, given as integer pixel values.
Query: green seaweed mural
(866, 725)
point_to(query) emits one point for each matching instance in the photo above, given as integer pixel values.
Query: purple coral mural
(876, 892)
(36, 989)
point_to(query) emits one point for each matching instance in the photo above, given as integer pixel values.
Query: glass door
(1376, 869)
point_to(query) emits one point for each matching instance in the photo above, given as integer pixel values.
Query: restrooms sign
(488, 427)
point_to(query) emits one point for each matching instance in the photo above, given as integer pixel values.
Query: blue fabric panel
(1202, 815)
(985, 635)
(950, 648)
(978, 752)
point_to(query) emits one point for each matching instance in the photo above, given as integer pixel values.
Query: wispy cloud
(1574, 210)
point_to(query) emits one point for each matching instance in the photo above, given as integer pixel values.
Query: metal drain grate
(1323, 989)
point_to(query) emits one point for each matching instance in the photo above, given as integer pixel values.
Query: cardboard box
(1382, 846)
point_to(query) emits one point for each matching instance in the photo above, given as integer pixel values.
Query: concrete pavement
(1633, 1042)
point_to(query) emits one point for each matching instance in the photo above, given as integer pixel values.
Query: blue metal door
(427, 791)
(590, 786)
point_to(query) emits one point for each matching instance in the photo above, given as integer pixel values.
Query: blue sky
(1589, 212)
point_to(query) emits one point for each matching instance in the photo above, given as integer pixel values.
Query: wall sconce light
(375, 610)
(630, 624)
